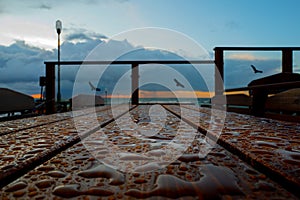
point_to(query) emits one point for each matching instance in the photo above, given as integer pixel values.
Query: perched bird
(93, 87)
(178, 84)
(256, 70)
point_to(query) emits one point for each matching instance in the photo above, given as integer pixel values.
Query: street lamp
(58, 30)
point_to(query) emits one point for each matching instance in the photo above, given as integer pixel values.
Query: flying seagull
(93, 87)
(256, 70)
(178, 84)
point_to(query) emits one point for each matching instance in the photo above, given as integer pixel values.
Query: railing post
(219, 72)
(135, 84)
(50, 88)
(287, 60)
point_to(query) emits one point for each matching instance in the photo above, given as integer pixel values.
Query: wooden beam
(135, 84)
(50, 88)
(219, 72)
(287, 61)
(129, 62)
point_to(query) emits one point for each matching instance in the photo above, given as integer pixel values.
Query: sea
(199, 101)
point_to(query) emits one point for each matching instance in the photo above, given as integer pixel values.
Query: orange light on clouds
(36, 96)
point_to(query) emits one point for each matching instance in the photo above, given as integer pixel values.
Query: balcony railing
(50, 75)
(287, 67)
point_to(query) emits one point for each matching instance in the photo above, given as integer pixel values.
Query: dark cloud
(83, 35)
(153, 71)
(77, 36)
(238, 72)
(45, 6)
(21, 65)
(9, 6)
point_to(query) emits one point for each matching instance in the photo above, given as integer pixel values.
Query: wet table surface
(149, 153)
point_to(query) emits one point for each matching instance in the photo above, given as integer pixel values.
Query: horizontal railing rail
(257, 48)
(130, 62)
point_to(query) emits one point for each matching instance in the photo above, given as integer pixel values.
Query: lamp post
(58, 30)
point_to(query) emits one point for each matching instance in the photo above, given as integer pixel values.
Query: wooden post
(259, 98)
(50, 88)
(287, 60)
(135, 84)
(219, 71)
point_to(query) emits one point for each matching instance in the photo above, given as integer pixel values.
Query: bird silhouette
(93, 87)
(256, 70)
(178, 84)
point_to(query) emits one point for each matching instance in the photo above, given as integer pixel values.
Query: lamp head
(58, 26)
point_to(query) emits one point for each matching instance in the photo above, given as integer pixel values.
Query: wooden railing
(50, 75)
(287, 67)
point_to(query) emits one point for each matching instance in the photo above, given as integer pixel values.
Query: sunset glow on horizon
(163, 94)
(167, 94)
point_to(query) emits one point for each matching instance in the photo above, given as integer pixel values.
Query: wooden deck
(48, 157)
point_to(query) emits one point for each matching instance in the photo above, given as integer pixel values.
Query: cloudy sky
(28, 36)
